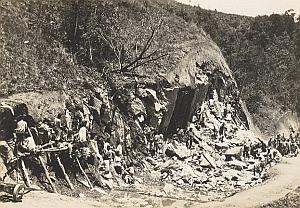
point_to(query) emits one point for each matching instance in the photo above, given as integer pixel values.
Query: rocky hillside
(78, 47)
(138, 79)
(263, 53)
(61, 45)
(47, 45)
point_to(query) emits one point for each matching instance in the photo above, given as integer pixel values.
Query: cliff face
(197, 76)
(71, 46)
(261, 51)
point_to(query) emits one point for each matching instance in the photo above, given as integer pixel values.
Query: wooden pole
(208, 161)
(85, 175)
(18, 169)
(25, 173)
(47, 174)
(64, 172)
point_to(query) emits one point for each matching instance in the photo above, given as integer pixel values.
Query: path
(287, 179)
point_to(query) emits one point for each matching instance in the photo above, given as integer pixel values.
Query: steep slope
(69, 45)
(69, 42)
(262, 52)
(46, 44)
(28, 61)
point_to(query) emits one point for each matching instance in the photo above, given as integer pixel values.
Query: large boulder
(9, 111)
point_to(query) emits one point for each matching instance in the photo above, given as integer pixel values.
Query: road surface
(286, 179)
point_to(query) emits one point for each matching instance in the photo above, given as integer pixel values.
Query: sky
(248, 7)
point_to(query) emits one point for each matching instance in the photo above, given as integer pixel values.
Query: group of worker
(286, 146)
(73, 129)
(271, 151)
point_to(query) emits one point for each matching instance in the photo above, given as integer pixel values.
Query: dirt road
(287, 179)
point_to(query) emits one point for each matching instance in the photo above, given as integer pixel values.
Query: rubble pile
(221, 155)
(216, 155)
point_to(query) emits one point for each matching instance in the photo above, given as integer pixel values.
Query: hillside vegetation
(263, 53)
(58, 45)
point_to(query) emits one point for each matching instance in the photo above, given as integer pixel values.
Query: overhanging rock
(201, 72)
(183, 102)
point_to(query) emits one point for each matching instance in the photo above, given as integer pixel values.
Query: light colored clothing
(82, 134)
(170, 146)
(57, 122)
(131, 170)
(21, 126)
(28, 144)
(118, 161)
(68, 119)
(86, 110)
(97, 105)
(106, 165)
(120, 149)
(94, 148)
(45, 126)
(106, 144)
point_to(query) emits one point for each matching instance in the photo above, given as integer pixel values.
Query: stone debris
(220, 160)
(107, 147)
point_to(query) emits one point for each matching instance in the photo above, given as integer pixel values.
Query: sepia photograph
(149, 103)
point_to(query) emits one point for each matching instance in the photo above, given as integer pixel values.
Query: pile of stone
(111, 147)
(224, 156)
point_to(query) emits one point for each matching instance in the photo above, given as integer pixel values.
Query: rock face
(290, 121)
(201, 72)
(201, 79)
(10, 110)
(205, 59)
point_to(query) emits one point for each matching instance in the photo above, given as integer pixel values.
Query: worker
(27, 144)
(21, 128)
(190, 139)
(119, 148)
(58, 127)
(83, 133)
(68, 119)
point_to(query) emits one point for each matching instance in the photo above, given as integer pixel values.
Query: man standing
(189, 142)
(58, 127)
(27, 144)
(68, 119)
(21, 129)
(82, 134)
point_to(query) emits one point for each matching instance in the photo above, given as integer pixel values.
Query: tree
(297, 38)
(141, 58)
(108, 36)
